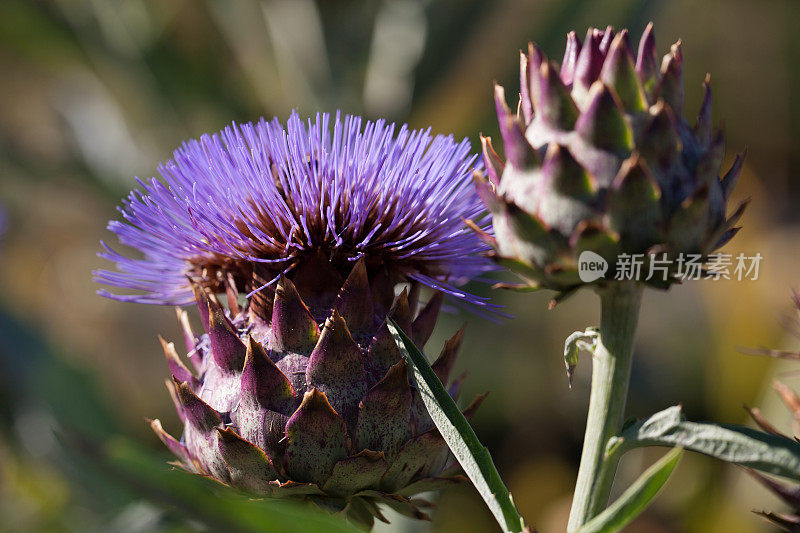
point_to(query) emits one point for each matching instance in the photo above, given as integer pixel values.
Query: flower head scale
(258, 200)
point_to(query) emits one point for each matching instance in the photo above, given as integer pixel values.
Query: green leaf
(636, 498)
(459, 435)
(773, 454)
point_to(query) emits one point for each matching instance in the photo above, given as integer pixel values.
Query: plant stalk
(611, 370)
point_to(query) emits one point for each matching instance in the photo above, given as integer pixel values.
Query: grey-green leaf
(459, 435)
(773, 454)
(636, 498)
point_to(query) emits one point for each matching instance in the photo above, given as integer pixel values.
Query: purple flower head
(242, 207)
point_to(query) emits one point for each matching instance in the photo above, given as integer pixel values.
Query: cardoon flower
(600, 159)
(297, 388)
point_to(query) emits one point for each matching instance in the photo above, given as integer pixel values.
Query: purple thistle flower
(259, 200)
(303, 392)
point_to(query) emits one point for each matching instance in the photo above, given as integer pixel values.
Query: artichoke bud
(607, 163)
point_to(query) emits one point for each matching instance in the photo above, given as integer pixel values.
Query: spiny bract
(599, 158)
(298, 389)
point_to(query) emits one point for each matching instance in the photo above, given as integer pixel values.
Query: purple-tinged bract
(297, 389)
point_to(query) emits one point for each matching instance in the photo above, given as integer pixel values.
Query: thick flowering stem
(611, 369)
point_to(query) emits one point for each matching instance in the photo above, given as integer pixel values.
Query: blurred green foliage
(96, 92)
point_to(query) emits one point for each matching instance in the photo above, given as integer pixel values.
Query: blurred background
(96, 92)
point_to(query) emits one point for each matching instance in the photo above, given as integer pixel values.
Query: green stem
(611, 370)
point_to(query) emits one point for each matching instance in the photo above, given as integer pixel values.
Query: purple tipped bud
(263, 383)
(423, 325)
(227, 349)
(558, 109)
(249, 467)
(525, 103)
(198, 413)
(671, 86)
(316, 439)
(620, 74)
(633, 206)
(176, 366)
(608, 37)
(385, 413)
(647, 61)
(443, 365)
(293, 328)
(603, 122)
(702, 129)
(355, 300)
(570, 59)
(622, 169)
(336, 367)
(589, 63)
(494, 165)
(519, 152)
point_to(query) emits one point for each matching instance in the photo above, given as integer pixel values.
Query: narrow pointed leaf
(459, 435)
(636, 498)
